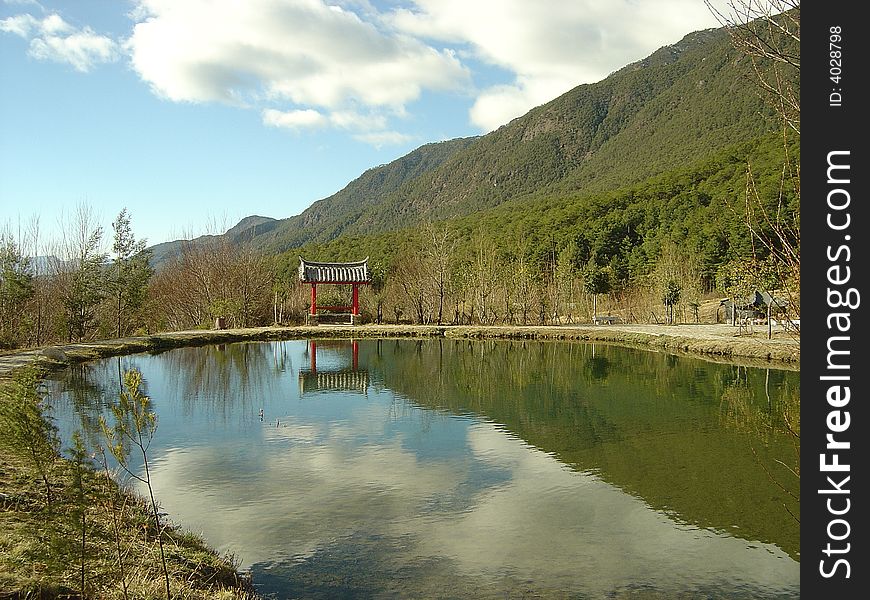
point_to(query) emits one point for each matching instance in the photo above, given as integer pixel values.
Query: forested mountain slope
(684, 103)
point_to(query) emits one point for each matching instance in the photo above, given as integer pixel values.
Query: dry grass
(41, 551)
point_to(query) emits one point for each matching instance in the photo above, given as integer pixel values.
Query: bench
(606, 320)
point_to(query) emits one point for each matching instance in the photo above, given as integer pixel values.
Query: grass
(41, 542)
(40, 549)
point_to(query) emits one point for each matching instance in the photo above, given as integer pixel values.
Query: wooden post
(312, 349)
(313, 311)
(355, 299)
(769, 325)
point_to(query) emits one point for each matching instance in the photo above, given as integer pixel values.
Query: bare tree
(414, 280)
(440, 256)
(484, 277)
(78, 272)
(215, 277)
(39, 310)
(768, 32)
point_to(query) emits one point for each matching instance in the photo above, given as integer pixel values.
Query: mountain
(248, 228)
(683, 103)
(329, 217)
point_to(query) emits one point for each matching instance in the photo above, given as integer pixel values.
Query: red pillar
(355, 349)
(313, 299)
(355, 299)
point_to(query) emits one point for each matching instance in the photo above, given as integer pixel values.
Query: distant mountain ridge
(247, 229)
(682, 103)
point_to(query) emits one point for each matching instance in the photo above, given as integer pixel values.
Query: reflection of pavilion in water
(345, 376)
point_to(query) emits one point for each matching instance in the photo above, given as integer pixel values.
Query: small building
(354, 274)
(758, 305)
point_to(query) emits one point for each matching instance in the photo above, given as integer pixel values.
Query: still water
(471, 469)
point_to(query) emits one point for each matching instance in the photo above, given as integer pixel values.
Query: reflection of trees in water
(598, 366)
(760, 402)
(648, 422)
(211, 378)
(218, 377)
(88, 390)
(766, 417)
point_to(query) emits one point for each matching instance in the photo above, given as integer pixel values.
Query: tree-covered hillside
(682, 103)
(700, 209)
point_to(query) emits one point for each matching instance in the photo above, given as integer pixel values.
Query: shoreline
(717, 343)
(713, 342)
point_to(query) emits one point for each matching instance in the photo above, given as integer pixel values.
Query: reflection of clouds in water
(317, 485)
(305, 496)
(561, 526)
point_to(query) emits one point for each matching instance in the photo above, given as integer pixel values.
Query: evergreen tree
(130, 273)
(16, 288)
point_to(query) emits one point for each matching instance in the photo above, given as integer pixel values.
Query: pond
(471, 469)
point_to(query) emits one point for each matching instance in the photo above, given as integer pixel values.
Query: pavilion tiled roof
(350, 381)
(329, 272)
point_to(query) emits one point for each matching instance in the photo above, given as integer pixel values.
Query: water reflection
(475, 469)
(667, 429)
(337, 375)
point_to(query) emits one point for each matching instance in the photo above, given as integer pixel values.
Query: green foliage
(129, 276)
(16, 288)
(83, 285)
(82, 465)
(26, 429)
(672, 293)
(596, 280)
(135, 424)
(699, 209)
(670, 297)
(740, 277)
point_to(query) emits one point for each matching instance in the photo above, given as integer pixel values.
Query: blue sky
(195, 113)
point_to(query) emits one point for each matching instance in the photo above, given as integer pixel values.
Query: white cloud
(383, 138)
(351, 65)
(52, 38)
(294, 119)
(53, 24)
(370, 129)
(349, 119)
(549, 46)
(20, 25)
(302, 54)
(82, 49)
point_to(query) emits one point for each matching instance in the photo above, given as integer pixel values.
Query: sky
(192, 114)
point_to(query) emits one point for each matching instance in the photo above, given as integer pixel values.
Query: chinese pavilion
(354, 274)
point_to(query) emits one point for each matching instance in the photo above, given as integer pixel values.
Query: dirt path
(719, 342)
